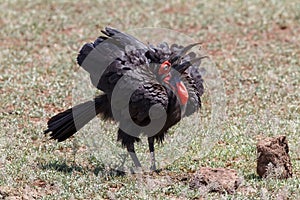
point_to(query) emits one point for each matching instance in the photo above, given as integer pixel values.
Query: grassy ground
(255, 45)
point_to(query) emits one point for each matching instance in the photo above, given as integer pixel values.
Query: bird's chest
(175, 110)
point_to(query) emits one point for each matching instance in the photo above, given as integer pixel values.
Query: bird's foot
(136, 170)
(153, 167)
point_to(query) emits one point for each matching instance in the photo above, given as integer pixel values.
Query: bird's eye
(165, 67)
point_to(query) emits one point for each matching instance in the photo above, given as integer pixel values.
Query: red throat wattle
(182, 93)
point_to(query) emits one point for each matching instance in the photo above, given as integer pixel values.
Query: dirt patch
(37, 190)
(216, 180)
(273, 158)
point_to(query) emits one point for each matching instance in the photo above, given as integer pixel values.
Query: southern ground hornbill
(146, 89)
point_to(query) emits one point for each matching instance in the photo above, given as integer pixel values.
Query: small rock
(273, 158)
(216, 180)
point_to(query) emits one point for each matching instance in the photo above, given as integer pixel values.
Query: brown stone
(215, 180)
(273, 158)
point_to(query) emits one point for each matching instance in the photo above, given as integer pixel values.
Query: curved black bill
(179, 55)
(184, 66)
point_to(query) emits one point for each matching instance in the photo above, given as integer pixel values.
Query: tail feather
(65, 124)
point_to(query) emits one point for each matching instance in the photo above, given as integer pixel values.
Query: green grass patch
(256, 48)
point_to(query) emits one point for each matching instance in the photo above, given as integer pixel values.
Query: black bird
(146, 88)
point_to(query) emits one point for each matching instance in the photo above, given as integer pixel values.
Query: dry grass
(255, 45)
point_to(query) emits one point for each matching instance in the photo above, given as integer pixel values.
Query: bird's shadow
(64, 167)
(98, 170)
(61, 166)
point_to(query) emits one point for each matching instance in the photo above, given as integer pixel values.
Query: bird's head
(171, 78)
(169, 71)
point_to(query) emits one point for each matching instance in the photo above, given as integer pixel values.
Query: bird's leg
(152, 155)
(131, 151)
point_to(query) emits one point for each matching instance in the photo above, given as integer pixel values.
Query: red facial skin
(179, 88)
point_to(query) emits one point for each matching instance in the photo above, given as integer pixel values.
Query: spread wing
(110, 56)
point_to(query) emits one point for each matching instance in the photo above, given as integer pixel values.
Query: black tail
(65, 124)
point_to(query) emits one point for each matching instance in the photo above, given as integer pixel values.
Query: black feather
(65, 124)
(118, 61)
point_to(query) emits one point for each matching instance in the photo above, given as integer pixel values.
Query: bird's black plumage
(119, 64)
